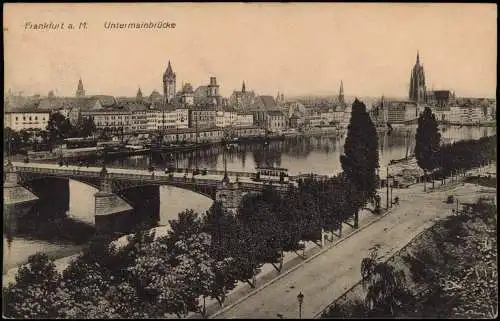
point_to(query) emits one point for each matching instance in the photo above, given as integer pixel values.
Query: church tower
(417, 82)
(213, 91)
(80, 92)
(169, 84)
(243, 87)
(139, 97)
(341, 93)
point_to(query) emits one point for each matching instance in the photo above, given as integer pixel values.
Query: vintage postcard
(249, 160)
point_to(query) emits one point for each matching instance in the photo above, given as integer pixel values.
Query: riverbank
(60, 253)
(481, 124)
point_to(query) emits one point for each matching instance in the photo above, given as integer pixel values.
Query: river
(303, 154)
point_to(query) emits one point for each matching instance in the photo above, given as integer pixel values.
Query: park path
(330, 274)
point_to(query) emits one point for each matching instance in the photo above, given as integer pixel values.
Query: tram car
(272, 174)
(79, 142)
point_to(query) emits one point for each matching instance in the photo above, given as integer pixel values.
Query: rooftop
(27, 110)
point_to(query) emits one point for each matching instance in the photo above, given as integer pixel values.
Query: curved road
(329, 275)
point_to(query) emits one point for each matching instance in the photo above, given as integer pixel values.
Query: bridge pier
(229, 194)
(18, 200)
(110, 209)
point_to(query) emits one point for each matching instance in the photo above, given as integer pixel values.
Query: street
(332, 273)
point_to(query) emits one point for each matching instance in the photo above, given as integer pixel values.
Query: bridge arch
(208, 192)
(26, 180)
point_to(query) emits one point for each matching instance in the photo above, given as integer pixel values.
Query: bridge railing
(56, 172)
(215, 172)
(125, 176)
(200, 180)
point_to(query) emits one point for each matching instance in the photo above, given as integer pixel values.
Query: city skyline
(284, 48)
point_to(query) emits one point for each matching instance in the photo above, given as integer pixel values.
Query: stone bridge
(113, 182)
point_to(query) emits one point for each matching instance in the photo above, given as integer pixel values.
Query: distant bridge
(123, 179)
(112, 182)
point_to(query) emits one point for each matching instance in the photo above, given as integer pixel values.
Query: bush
(450, 199)
(204, 171)
(179, 170)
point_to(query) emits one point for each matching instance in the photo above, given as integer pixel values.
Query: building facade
(244, 119)
(202, 118)
(276, 121)
(401, 111)
(109, 119)
(24, 119)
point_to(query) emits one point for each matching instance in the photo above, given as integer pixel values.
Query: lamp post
(387, 186)
(392, 183)
(300, 297)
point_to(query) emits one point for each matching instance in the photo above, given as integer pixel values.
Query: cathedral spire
(169, 71)
(243, 87)
(341, 92)
(80, 92)
(139, 94)
(418, 57)
(169, 84)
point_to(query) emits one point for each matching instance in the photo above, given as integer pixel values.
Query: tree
(246, 255)
(309, 206)
(290, 222)
(360, 159)
(222, 226)
(12, 141)
(188, 223)
(86, 127)
(386, 287)
(427, 140)
(35, 293)
(25, 136)
(195, 266)
(258, 213)
(58, 128)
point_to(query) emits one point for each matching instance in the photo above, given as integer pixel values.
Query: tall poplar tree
(360, 159)
(427, 142)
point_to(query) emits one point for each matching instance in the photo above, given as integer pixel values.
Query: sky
(295, 49)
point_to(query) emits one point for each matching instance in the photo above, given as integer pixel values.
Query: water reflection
(320, 154)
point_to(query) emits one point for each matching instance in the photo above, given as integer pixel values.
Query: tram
(80, 142)
(272, 174)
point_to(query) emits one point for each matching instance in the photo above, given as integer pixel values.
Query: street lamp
(391, 182)
(300, 297)
(387, 186)
(377, 172)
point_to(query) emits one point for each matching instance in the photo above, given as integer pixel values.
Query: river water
(319, 155)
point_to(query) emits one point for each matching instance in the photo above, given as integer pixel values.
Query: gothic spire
(243, 87)
(341, 92)
(139, 94)
(169, 71)
(418, 58)
(80, 92)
